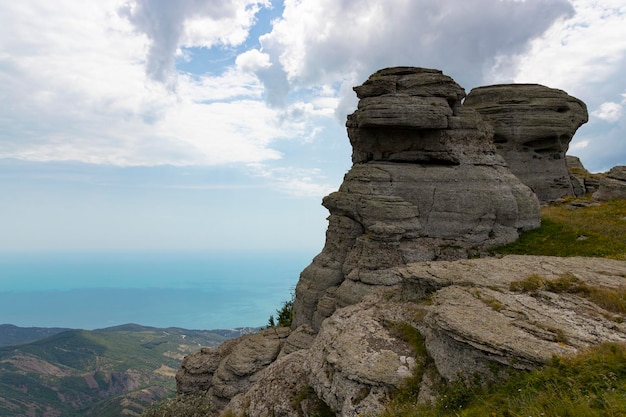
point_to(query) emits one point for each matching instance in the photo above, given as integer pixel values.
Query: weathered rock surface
(612, 184)
(427, 183)
(472, 320)
(231, 368)
(583, 181)
(533, 125)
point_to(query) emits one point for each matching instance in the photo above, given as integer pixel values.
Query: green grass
(595, 231)
(181, 405)
(592, 384)
(610, 299)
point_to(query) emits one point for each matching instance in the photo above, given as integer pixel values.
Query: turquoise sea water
(192, 290)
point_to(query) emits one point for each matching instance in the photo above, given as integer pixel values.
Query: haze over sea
(193, 290)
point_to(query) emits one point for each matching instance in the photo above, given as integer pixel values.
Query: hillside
(107, 372)
(14, 335)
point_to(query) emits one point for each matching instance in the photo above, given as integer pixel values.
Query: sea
(192, 290)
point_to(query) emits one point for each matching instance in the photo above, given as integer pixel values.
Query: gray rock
(472, 323)
(282, 390)
(427, 183)
(533, 125)
(475, 319)
(612, 185)
(231, 368)
(577, 175)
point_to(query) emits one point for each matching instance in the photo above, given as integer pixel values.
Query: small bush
(531, 284)
(284, 315)
(181, 405)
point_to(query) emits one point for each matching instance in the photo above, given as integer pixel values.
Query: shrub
(284, 315)
(181, 405)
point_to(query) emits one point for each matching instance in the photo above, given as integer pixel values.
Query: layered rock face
(427, 183)
(533, 125)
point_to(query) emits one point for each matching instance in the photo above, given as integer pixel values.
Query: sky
(220, 125)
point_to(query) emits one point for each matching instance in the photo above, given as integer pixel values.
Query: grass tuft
(610, 299)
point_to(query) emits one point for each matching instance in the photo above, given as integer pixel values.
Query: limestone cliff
(428, 190)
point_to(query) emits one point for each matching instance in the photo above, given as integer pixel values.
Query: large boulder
(533, 125)
(612, 184)
(427, 183)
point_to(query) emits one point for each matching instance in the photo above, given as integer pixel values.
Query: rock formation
(533, 128)
(583, 181)
(612, 184)
(427, 190)
(427, 183)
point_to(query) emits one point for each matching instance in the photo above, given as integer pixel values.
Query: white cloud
(609, 111)
(74, 87)
(170, 24)
(93, 81)
(328, 41)
(253, 61)
(578, 144)
(296, 182)
(579, 52)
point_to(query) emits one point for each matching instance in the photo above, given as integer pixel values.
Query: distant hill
(106, 372)
(13, 335)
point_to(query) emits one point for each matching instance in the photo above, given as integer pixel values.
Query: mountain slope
(105, 372)
(14, 335)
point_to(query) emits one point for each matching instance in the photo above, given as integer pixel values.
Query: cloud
(325, 41)
(74, 88)
(253, 61)
(296, 182)
(94, 81)
(609, 111)
(581, 52)
(171, 24)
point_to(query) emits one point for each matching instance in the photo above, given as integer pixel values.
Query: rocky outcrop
(583, 181)
(612, 184)
(232, 368)
(427, 183)
(533, 125)
(474, 317)
(393, 293)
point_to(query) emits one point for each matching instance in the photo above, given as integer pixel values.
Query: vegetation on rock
(577, 227)
(181, 405)
(284, 315)
(587, 385)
